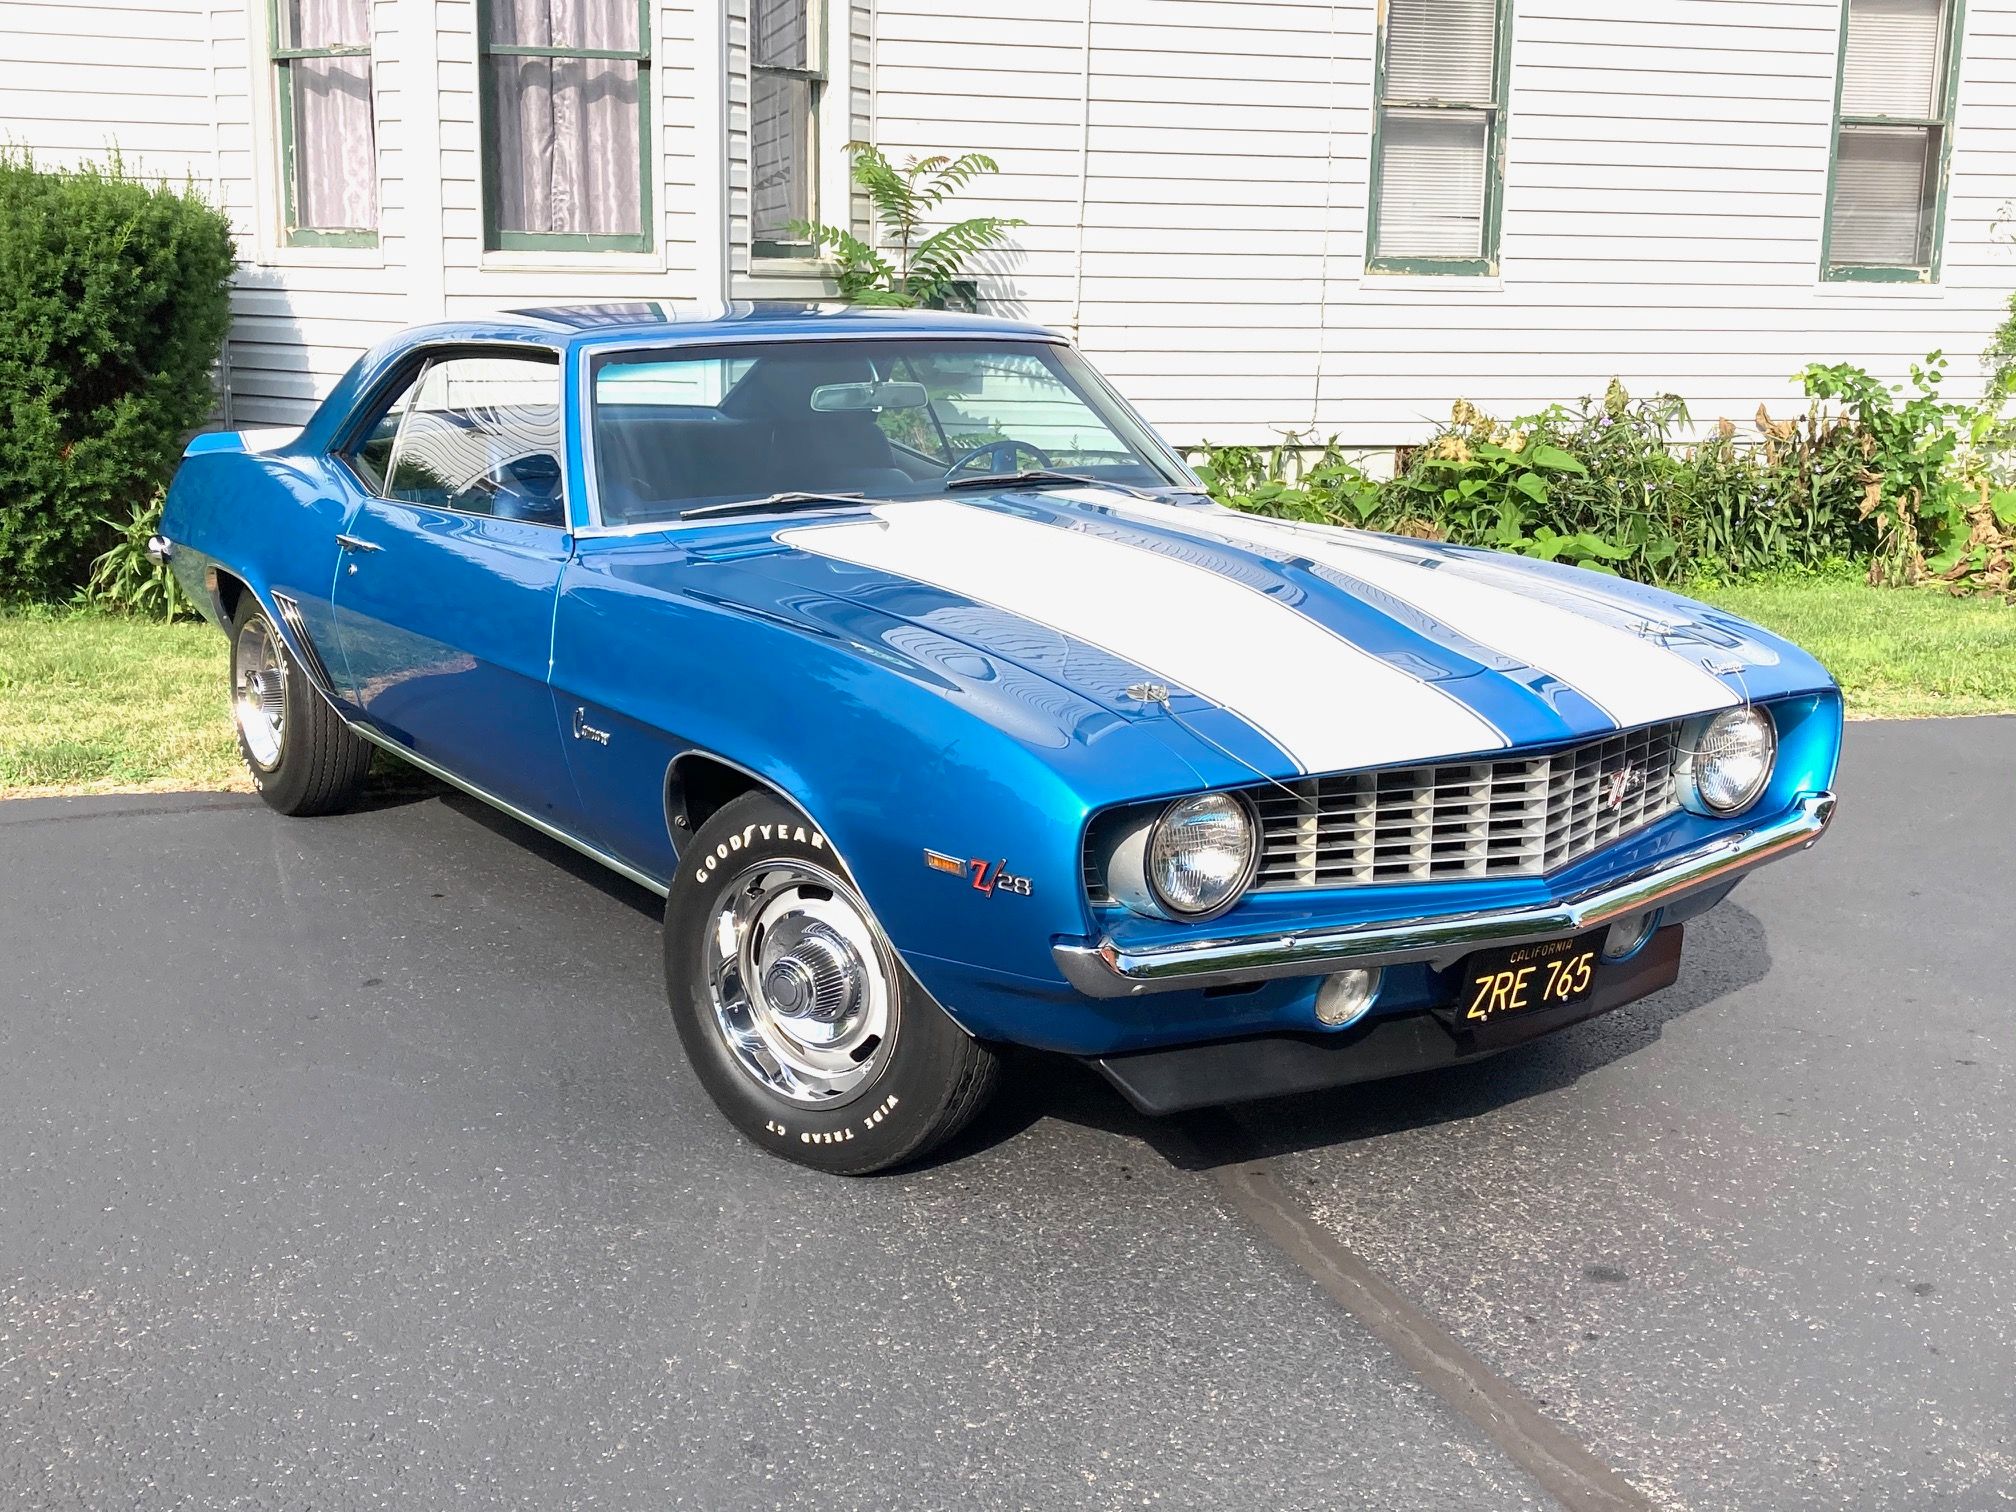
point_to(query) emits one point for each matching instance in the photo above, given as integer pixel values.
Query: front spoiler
(1103, 969)
(1182, 1077)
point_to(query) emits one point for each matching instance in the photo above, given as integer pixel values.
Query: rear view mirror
(847, 397)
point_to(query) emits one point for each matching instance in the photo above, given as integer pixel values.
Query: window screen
(1890, 139)
(1441, 117)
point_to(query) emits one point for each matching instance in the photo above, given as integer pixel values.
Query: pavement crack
(1560, 1464)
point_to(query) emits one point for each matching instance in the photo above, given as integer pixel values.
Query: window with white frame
(321, 52)
(787, 76)
(566, 124)
(1892, 135)
(1438, 137)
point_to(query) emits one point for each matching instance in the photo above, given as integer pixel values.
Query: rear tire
(303, 758)
(798, 1016)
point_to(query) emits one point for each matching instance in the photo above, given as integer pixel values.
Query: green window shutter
(1886, 184)
(1438, 137)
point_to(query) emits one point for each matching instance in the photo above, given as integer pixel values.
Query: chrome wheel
(801, 985)
(259, 691)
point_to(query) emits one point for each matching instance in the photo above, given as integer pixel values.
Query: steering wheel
(1001, 456)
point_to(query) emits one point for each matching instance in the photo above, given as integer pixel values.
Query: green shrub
(113, 307)
(1888, 478)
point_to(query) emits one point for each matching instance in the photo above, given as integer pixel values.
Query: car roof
(631, 322)
(563, 329)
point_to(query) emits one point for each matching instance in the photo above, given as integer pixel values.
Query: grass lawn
(1897, 652)
(92, 704)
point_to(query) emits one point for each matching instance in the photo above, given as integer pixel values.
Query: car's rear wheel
(302, 756)
(799, 1018)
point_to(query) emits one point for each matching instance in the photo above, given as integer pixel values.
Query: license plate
(1526, 978)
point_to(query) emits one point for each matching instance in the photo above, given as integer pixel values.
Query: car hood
(1285, 647)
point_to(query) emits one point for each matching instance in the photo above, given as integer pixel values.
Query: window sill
(791, 267)
(1876, 288)
(1431, 283)
(557, 260)
(319, 257)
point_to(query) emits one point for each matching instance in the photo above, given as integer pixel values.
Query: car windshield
(677, 430)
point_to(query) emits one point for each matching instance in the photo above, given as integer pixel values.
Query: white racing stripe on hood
(1324, 701)
(1634, 680)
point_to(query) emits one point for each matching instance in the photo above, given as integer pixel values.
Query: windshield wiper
(775, 501)
(1044, 475)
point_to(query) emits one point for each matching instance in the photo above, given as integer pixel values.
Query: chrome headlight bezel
(1693, 761)
(1130, 869)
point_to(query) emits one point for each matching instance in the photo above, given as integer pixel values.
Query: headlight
(1729, 760)
(1201, 854)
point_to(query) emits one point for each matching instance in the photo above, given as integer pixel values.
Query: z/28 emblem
(989, 877)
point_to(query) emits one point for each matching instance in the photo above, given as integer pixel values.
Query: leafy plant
(922, 265)
(1891, 478)
(1907, 443)
(113, 308)
(127, 580)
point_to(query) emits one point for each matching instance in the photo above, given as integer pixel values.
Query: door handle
(357, 543)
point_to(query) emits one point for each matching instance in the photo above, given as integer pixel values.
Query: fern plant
(915, 266)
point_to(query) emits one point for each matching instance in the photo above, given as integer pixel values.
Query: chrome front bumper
(1102, 969)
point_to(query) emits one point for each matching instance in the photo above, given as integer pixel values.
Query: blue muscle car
(912, 668)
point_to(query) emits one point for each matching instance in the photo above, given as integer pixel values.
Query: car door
(451, 562)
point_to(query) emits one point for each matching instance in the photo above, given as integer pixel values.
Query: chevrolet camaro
(946, 712)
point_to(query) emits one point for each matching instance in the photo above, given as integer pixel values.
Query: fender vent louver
(311, 659)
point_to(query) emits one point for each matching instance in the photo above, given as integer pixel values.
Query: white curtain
(567, 157)
(335, 145)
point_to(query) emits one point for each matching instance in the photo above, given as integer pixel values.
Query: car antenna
(1158, 694)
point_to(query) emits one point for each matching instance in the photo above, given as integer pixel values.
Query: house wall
(1195, 177)
(1193, 173)
(182, 89)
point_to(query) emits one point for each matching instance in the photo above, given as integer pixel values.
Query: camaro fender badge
(1621, 784)
(989, 877)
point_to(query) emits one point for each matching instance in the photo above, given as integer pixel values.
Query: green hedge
(113, 308)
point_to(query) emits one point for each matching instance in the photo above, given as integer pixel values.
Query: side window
(483, 436)
(370, 456)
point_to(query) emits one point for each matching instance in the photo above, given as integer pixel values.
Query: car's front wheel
(798, 1016)
(302, 756)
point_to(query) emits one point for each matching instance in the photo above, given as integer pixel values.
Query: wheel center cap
(818, 978)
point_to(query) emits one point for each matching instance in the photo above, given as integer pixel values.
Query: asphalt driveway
(352, 1163)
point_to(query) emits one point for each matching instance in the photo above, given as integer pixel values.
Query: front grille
(1514, 816)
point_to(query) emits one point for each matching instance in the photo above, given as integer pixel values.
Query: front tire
(302, 756)
(798, 1016)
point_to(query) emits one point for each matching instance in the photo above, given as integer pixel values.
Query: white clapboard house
(1255, 215)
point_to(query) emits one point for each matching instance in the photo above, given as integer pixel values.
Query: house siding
(1194, 178)
(1666, 177)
